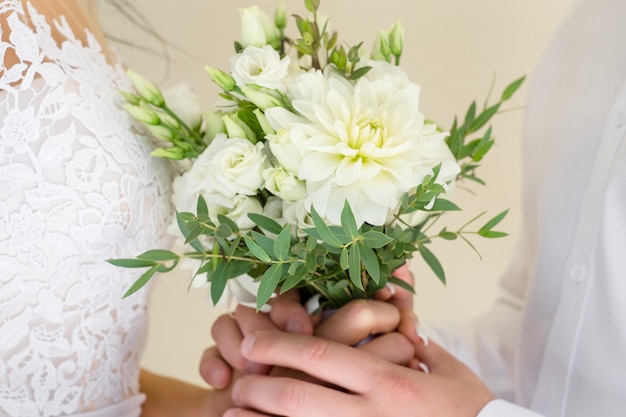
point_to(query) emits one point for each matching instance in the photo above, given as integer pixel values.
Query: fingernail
(248, 343)
(230, 413)
(294, 326)
(421, 334)
(424, 368)
(392, 288)
(313, 304)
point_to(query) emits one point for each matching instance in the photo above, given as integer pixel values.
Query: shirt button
(577, 273)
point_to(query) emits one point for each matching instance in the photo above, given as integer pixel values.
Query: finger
(402, 298)
(289, 315)
(214, 370)
(357, 320)
(436, 358)
(250, 321)
(317, 357)
(291, 397)
(227, 335)
(240, 412)
(411, 328)
(392, 347)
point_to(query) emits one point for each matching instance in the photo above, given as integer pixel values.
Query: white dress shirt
(554, 344)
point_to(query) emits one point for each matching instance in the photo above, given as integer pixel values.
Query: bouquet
(315, 169)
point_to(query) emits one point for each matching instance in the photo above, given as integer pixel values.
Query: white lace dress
(77, 187)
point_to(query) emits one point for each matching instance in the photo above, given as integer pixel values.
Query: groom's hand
(368, 385)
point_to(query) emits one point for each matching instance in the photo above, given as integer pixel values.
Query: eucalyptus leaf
(265, 223)
(323, 230)
(402, 284)
(283, 243)
(354, 266)
(375, 240)
(370, 260)
(511, 89)
(493, 222)
(348, 223)
(218, 281)
(132, 263)
(433, 263)
(143, 280)
(268, 285)
(201, 206)
(256, 250)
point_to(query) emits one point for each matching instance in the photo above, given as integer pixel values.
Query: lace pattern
(77, 187)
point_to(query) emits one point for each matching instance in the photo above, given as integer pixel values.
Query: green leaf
(512, 88)
(224, 231)
(256, 250)
(375, 240)
(348, 223)
(402, 284)
(131, 263)
(491, 234)
(470, 114)
(493, 222)
(441, 204)
(294, 279)
(433, 263)
(265, 242)
(225, 220)
(194, 233)
(201, 206)
(444, 234)
(343, 259)
(143, 280)
(265, 223)
(182, 226)
(483, 118)
(359, 73)
(283, 243)
(354, 266)
(268, 285)
(370, 260)
(219, 280)
(324, 231)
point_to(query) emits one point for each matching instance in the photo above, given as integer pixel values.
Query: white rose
(236, 165)
(284, 184)
(298, 215)
(393, 82)
(236, 208)
(260, 66)
(284, 147)
(274, 209)
(185, 103)
(257, 28)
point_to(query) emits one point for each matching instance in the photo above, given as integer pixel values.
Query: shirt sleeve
(501, 408)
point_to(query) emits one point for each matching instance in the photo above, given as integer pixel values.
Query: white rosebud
(380, 49)
(173, 153)
(260, 66)
(256, 28)
(284, 184)
(223, 80)
(161, 132)
(273, 209)
(142, 114)
(396, 39)
(259, 98)
(183, 102)
(236, 128)
(213, 124)
(265, 125)
(147, 90)
(280, 16)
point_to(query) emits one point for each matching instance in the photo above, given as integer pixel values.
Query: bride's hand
(368, 385)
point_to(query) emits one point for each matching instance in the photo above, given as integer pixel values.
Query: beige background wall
(453, 48)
